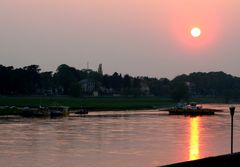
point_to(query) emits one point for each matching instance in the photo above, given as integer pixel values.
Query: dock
(227, 160)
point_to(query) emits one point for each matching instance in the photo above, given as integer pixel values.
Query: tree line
(29, 80)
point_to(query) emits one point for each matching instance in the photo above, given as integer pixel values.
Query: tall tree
(180, 91)
(65, 76)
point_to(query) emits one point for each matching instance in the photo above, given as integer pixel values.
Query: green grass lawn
(92, 103)
(98, 103)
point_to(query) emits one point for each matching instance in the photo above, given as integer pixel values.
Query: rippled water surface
(115, 139)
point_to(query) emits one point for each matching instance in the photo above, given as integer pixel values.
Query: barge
(192, 109)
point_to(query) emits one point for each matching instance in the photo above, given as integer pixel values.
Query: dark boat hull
(58, 111)
(191, 112)
(33, 112)
(82, 112)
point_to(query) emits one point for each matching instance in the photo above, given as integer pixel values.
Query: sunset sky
(138, 37)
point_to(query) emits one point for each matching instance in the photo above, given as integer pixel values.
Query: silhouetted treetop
(67, 80)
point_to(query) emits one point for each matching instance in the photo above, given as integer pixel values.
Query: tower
(100, 71)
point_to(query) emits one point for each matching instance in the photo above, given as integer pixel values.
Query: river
(116, 139)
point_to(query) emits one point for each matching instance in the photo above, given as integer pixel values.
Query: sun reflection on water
(194, 139)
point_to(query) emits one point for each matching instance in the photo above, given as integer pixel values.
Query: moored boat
(33, 112)
(81, 111)
(191, 112)
(58, 111)
(192, 109)
(53, 111)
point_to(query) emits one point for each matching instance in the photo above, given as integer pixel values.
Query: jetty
(227, 160)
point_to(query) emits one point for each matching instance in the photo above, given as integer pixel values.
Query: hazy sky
(138, 37)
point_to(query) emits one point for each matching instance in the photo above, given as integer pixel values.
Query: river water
(116, 139)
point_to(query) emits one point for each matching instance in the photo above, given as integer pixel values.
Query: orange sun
(196, 32)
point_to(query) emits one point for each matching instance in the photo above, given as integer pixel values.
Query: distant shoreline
(95, 103)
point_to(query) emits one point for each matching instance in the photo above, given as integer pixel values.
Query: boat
(191, 109)
(81, 111)
(33, 112)
(58, 111)
(53, 111)
(24, 111)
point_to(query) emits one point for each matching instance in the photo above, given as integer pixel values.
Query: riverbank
(219, 161)
(89, 103)
(94, 103)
